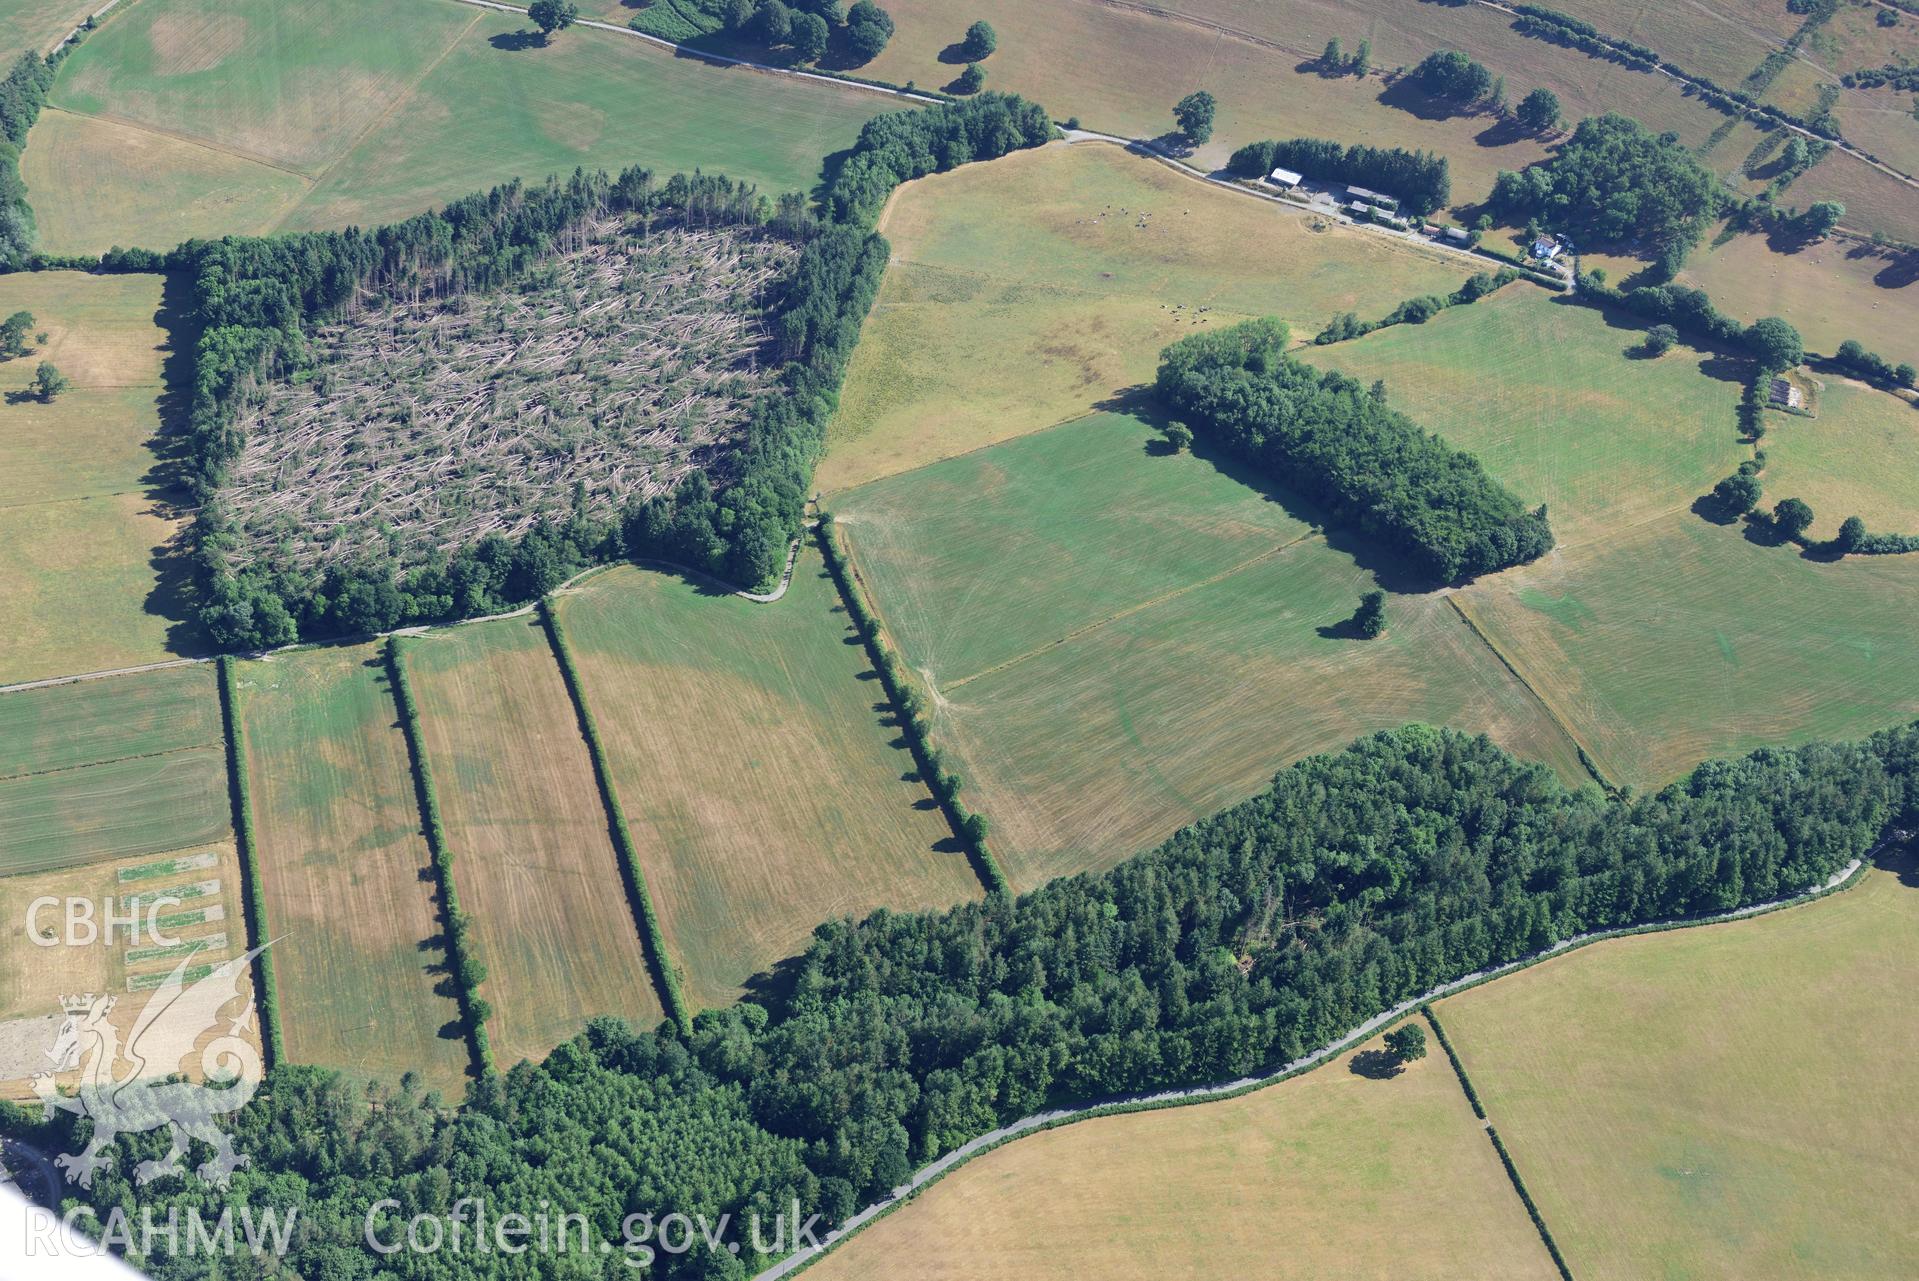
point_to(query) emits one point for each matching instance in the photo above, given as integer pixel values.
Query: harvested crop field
(762, 785)
(1545, 393)
(86, 504)
(253, 115)
(1715, 1102)
(1859, 457)
(37, 24)
(1025, 292)
(605, 376)
(533, 862)
(104, 769)
(1332, 1174)
(360, 961)
(33, 978)
(1162, 643)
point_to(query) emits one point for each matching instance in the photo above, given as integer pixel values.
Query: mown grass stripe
(464, 965)
(665, 975)
(253, 893)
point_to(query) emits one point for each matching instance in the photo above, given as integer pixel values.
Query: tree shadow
(1503, 132)
(516, 41)
(1404, 95)
(1903, 270)
(1375, 1065)
(1345, 629)
(1761, 532)
(175, 593)
(829, 172)
(1714, 512)
(954, 55)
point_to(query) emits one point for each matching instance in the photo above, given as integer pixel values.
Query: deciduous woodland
(1358, 880)
(1337, 442)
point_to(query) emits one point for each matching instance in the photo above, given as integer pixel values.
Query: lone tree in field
(971, 80)
(1178, 435)
(1539, 110)
(1194, 113)
(1792, 517)
(13, 334)
(552, 15)
(980, 42)
(1370, 620)
(1660, 340)
(1820, 219)
(1406, 1043)
(49, 382)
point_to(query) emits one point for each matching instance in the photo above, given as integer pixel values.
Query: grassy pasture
(533, 861)
(1873, 201)
(1720, 1102)
(33, 978)
(1020, 294)
(1155, 679)
(1544, 394)
(1859, 457)
(197, 117)
(1830, 291)
(140, 805)
(84, 505)
(1720, 39)
(1329, 1174)
(36, 24)
(57, 727)
(1682, 640)
(762, 788)
(346, 870)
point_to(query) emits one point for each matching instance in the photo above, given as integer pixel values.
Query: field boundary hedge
(1499, 1146)
(664, 974)
(969, 827)
(933, 1172)
(239, 793)
(465, 967)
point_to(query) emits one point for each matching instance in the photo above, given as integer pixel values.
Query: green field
(533, 862)
(761, 786)
(1542, 392)
(1333, 1174)
(56, 727)
(360, 960)
(1113, 663)
(140, 805)
(1681, 640)
(1024, 292)
(191, 117)
(1721, 1102)
(1859, 457)
(86, 509)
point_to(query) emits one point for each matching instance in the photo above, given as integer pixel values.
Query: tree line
(1359, 879)
(1327, 437)
(22, 94)
(1418, 179)
(1417, 310)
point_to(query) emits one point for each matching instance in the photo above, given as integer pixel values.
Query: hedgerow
(240, 793)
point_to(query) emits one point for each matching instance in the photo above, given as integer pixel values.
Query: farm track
(1053, 1118)
(192, 140)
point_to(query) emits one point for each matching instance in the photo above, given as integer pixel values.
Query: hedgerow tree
(1194, 113)
(1406, 1043)
(1178, 435)
(773, 23)
(868, 28)
(1538, 110)
(980, 41)
(1792, 517)
(1737, 494)
(1333, 59)
(971, 80)
(552, 15)
(1775, 344)
(1820, 219)
(1660, 340)
(48, 381)
(1852, 533)
(1362, 58)
(809, 37)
